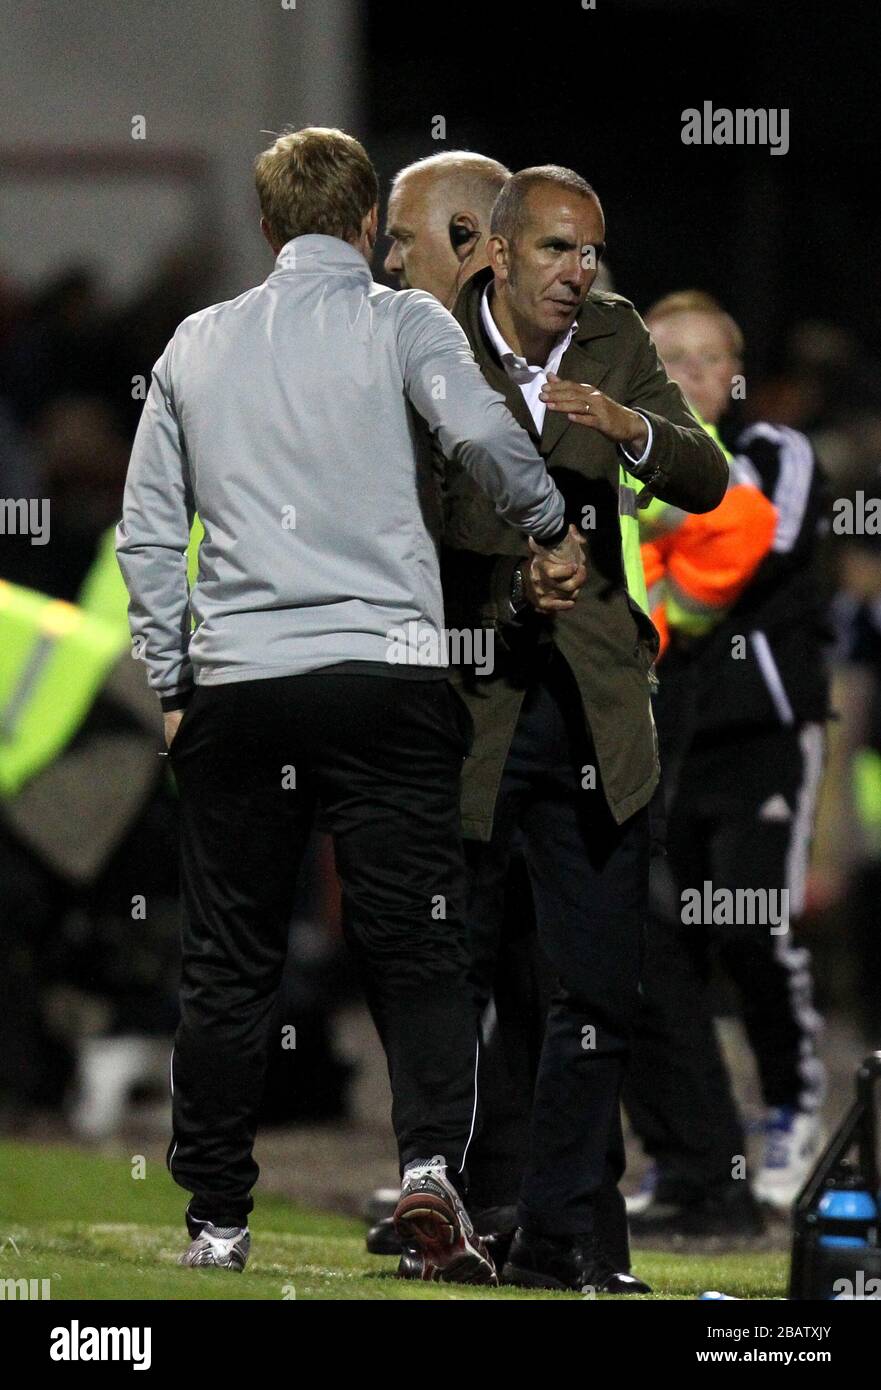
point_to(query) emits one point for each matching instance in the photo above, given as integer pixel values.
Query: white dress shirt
(531, 379)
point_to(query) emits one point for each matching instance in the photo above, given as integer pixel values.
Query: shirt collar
(318, 254)
(507, 354)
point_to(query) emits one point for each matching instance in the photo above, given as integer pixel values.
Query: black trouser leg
(391, 799)
(741, 819)
(522, 987)
(243, 833)
(764, 842)
(678, 1093)
(383, 757)
(610, 1210)
(590, 905)
(589, 882)
(513, 1000)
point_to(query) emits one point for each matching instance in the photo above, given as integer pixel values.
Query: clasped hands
(553, 578)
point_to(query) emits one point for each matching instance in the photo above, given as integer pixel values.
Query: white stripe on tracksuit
(171, 1084)
(771, 676)
(796, 961)
(793, 486)
(474, 1110)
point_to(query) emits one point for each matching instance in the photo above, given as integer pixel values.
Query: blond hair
(697, 302)
(316, 180)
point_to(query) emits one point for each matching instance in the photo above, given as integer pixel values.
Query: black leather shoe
(497, 1226)
(383, 1239)
(380, 1204)
(731, 1213)
(575, 1264)
(413, 1265)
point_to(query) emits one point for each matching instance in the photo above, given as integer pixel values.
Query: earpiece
(460, 236)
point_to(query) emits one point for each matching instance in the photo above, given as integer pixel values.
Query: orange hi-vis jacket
(697, 566)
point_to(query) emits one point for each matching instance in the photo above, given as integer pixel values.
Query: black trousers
(254, 760)
(742, 817)
(516, 982)
(589, 881)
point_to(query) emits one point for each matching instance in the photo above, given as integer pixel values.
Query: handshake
(551, 579)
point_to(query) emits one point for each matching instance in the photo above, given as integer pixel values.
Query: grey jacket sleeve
(153, 535)
(472, 422)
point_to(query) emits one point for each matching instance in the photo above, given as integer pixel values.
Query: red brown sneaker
(436, 1231)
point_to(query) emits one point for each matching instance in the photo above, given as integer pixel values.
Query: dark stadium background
(107, 242)
(779, 238)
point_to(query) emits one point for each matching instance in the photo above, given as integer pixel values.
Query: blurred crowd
(87, 976)
(71, 368)
(88, 831)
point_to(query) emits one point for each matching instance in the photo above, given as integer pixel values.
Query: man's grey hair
(509, 211)
(474, 180)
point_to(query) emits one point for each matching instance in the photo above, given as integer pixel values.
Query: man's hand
(585, 405)
(172, 719)
(552, 579)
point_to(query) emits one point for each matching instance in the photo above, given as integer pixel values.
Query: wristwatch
(519, 601)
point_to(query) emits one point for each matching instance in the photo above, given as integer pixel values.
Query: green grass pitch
(95, 1232)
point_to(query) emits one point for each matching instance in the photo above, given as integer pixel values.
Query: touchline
(75, 1343)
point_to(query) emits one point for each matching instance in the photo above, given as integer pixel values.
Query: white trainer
(793, 1142)
(220, 1247)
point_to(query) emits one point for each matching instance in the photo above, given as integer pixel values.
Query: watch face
(518, 595)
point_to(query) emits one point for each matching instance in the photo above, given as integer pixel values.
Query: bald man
(438, 221)
(570, 693)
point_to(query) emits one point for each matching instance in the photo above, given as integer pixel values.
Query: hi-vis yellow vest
(660, 517)
(54, 658)
(628, 520)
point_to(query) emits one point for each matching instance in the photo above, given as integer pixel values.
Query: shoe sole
(528, 1279)
(781, 1198)
(640, 1202)
(192, 1264)
(431, 1225)
(779, 1202)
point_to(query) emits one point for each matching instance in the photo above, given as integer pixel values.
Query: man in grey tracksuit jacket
(308, 659)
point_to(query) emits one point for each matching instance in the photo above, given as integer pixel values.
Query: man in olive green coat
(564, 757)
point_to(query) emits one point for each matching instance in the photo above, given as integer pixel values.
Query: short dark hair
(315, 180)
(509, 210)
